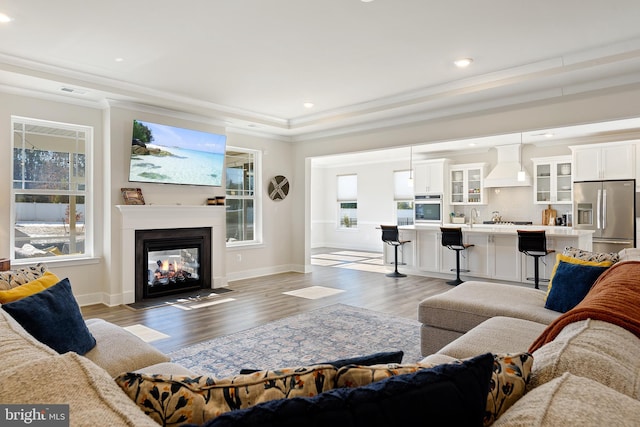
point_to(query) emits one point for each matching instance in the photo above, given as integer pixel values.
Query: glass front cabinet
(552, 180)
(467, 184)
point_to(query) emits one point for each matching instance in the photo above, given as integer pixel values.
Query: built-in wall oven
(428, 208)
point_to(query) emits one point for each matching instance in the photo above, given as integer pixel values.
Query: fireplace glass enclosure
(172, 261)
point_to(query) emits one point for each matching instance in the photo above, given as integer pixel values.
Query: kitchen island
(494, 256)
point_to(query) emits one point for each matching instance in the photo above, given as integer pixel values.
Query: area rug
(334, 332)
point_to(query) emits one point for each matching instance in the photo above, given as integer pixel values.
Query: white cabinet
(504, 258)
(552, 180)
(428, 248)
(603, 161)
(466, 184)
(429, 176)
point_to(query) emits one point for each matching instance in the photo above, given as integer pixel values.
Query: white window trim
(89, 249)
(257, 198)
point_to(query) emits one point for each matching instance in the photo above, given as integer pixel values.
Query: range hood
(505, 173)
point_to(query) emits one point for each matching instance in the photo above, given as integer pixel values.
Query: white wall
(97, 280)
(375, 205)
(87, 280)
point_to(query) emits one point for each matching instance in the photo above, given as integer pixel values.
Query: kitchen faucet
(474, 214)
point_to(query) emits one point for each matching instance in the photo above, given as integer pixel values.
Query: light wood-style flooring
(260, 300)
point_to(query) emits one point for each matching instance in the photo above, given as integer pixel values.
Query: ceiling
(252, 64)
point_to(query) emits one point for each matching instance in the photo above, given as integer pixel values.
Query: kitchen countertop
(503, 229)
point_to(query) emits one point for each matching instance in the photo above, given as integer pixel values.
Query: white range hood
(505, 173)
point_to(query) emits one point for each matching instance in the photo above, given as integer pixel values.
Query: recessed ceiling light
(549, 135)
(366, 1)
(308, 105)
(5, 18)
(119, 59)
(463, 62)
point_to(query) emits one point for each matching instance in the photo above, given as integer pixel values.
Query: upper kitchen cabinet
(552, 180)
(429, 176)
(466, 184)
(613, 160)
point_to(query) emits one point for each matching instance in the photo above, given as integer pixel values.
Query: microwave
(428, 208)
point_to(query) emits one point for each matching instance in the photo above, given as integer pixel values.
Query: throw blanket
(613, 298)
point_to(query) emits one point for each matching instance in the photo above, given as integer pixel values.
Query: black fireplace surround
(172, 261)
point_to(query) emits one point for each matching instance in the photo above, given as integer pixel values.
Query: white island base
(494, 256)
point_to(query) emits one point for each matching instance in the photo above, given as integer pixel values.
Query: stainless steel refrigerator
(608, 208)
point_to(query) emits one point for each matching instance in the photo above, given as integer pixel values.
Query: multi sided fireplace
(172, 261)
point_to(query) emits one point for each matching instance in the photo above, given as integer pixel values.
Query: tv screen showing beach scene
(171, 155)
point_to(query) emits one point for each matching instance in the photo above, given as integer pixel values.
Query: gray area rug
(335, 332)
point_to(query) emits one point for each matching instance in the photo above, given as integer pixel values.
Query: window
(403, 197)
(347, 201)
(51, 190)
(242, 200)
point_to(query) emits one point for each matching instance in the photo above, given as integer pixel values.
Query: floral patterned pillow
(591, 256)
(177, 399)
(356, 375)
(19, 276)
(511, 373)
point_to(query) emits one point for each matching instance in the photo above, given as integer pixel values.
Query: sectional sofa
(502, 371)
(586, 369)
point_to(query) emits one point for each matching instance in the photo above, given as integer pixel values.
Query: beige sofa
(589, 374)
(33, 373)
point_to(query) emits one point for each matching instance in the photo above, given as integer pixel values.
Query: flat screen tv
(171, 155)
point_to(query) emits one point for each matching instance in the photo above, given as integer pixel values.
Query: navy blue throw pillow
(53, 317)
(570, 284)
(367, 360)
(449, 394)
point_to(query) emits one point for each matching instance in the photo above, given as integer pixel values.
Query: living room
(53, 70)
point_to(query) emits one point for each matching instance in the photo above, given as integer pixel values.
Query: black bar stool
(452, 239)
(534, 243)
(391, 236)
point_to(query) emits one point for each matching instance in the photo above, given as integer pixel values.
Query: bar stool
(534, 243)
(452, 239)
(391, 236)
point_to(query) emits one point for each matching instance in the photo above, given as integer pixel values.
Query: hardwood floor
(261, 300)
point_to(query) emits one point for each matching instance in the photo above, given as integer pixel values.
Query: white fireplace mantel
(152, 217)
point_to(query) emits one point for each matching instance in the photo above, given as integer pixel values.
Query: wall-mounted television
(172, 155)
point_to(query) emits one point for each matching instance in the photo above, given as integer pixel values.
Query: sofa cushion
(186, 399)
(118, 350)
(471, 303)
(53, 317)
(450, 394)
(592, 349)
(17, 345)
(497, 335)
(19, 276)
(40, 284)
(629, 254)
(571, 400)
(93, 398)
(571, 279)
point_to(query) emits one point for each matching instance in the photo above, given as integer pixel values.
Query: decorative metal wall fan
(278, 187)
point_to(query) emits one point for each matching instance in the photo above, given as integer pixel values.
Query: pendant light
(521, 174)
(410, 181)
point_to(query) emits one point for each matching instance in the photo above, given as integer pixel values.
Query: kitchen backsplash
(514, 204)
